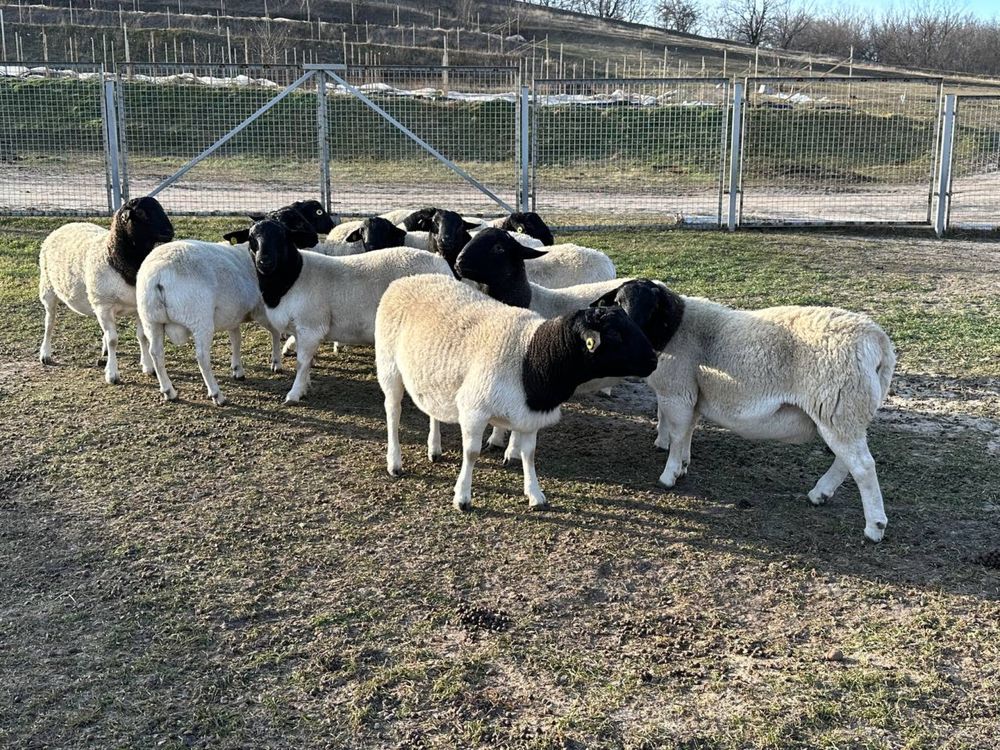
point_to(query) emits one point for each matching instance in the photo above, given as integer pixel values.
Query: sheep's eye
(591, 344)
(232, 241)
(319, 211)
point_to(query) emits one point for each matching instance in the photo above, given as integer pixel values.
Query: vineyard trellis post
(944, 171)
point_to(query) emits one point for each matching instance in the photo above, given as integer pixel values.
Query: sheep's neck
(125, 255)
(273, 286)
(515, 295)
(553, 366)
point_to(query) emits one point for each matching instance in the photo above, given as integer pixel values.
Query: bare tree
(745, 20)
(679, 15)
(272, 40)
(788, 23)
(619, 10)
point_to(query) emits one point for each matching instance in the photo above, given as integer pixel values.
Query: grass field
(188, 576)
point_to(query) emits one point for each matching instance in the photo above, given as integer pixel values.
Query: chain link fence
(839, 150)
(975, 185)
(171, 113)
(52, 139)
(629, 151)
(467, 114)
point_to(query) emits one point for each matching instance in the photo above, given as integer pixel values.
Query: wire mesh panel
(641, 151)
(52, 154)
(467, 114)
(174, 112)
(839, 150)
(975, 184)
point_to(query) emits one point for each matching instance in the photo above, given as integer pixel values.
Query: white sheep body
(568, 264)
(550, 303)
(781, 373)
(335, 299)
(190, 286)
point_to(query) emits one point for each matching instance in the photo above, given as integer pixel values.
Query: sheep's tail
(878, 361)
(151, 300)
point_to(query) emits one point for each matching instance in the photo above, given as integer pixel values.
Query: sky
(984, 9)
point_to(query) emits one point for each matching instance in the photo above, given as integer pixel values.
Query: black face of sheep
(495, 260)
(420, 220)
(657, 311)
(449, 234)
(614, 344)
(301, 230)
(376, 233)
(531, 224)
(316, 215)
(145, 222)
(272, 246)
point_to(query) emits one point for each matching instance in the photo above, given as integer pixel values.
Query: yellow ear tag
(232, 241)
(591, 344)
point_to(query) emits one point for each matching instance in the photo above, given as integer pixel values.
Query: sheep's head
(316, 215)
(449, 234)
(654, 308)
(611, 343)
(420, 220)
(301, 231)
(531, 224)
(376, 233)
(271, 245)
(144, 222)
(495, 260)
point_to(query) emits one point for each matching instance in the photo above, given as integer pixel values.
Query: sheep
(374, 233)
(311, 211)
(465, 358)
(316, 297)
(781, 373)
(199, 288)
(92, 271)
(526, 222)
(496, 263)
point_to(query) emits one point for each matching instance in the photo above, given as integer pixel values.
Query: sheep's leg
(49, 302)
(156, 334)
(662, 433)
(526, 445)
(289, 348)
(513, 451)
(498, 439)
(106, 319)
(145, 358)
(236, 361)
(829, 482)
(275, 349)
(434, 440)
(679, 419)
(392, 387)
(305, 350)
(472, 439)
(858, 459)
(203, 353)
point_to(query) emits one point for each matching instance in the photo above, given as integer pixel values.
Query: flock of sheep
(482, 323)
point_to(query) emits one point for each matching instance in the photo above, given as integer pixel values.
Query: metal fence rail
(467, 114)
(52, 139)
(643, 151)
(839, 150)
(975, 185)
(171, 113)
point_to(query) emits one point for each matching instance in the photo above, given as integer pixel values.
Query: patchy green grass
(179, 575)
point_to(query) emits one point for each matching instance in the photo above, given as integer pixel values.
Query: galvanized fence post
(944, 172)
(524, 148)
(735, 156)
(110, 111)
(324, 142)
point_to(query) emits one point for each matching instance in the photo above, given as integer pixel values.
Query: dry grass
(187, 576)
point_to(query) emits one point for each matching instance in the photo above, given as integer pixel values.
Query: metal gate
(629, 151)
(365, 139)
(837, 150)
(973, 201)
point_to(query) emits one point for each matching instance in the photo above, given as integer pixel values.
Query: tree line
(937, 34)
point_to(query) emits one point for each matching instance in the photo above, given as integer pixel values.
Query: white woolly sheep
(195, 287)
(319, 298)
(782, 373)
(465, 358)
(92, 271)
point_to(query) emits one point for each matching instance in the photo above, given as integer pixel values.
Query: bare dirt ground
(180, 575)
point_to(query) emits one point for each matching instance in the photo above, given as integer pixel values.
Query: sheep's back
(551, 303)
(568, 264)
(65, 257)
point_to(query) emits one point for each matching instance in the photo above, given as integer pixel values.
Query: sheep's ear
(470, 224)
(529, 253)
(235, 238)
(255, 217)
(591, 340)
(303, 238)
(606, 300)
(354, 236)
(125, 214)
